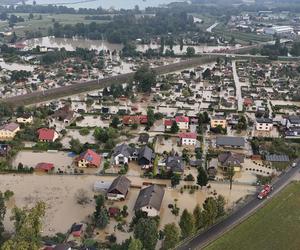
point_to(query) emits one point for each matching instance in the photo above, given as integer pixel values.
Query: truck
(265, 191)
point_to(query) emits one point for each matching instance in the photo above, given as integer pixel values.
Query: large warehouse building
(278, 30)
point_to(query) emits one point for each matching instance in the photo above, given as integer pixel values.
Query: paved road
(203, 239)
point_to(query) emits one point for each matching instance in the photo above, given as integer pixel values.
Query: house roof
(189, 135)
(124, 150)
(229, 158)
(63, 246)
(130, 119)
(264, 120)
(143, 138)
(10, 126)
(46, 134)
(182, 119)
(146, 152)
(121, 184)
(294, 119)
(175, 163)
(168, 122)
(91, 157)
(218, 117)
(44, 166)
(64, 113)
(230, 141)
(277, 158)
(150, 196)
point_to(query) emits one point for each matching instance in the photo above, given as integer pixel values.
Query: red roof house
(248, 102)
(113, 211)
(168, 123)
(47, 135)
(188, 135)
(131, 119)
(88, 158)
(76, 230)
(179, 119)
(43, 166)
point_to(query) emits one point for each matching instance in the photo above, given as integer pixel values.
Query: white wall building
(264, 124)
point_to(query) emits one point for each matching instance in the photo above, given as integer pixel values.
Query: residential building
(292, 121)
(175, 164)
(277, 158)
(264, 124)
(150, 199)
(230, 159)
(44, 166)
(145, 157)
(182, 122)
(4, 150)
(139, 119)
(119, 188)
(123, 154)
(88, 159)
(230, 141)
(63, 246)
(8, 131)
(143, 138)
(25, 119)
(47, 135)
(77, 230)
(168, 124)
(64, 114)
(216, 121)
(188, 139)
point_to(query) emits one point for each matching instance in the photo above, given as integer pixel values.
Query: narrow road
(209, 29)
(203, 239)
(238, 87)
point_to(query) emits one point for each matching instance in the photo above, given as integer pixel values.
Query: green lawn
(274, 227)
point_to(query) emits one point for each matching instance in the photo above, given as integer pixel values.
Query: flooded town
(143, 126)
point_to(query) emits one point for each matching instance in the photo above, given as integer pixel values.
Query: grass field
(46, 22)
(275, 227)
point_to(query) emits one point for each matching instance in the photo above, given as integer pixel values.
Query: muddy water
(15, 66)
(72, 44)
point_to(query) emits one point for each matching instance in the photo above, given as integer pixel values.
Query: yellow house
(218, 121)
(9, 131)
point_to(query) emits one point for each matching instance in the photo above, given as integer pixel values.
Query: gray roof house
(119, 188)
(145, 156)
(150, 200)
(277, 158)
(230, 141)
(124, 153)
(175, 164)
(230, 159)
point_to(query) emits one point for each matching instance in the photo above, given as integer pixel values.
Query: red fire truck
(265, 191)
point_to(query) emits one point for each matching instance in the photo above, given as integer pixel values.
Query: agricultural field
(46, 21)
(275, 226)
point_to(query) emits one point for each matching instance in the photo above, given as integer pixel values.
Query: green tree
(198, 217)
(76, 146)
(146, 231)
(210, 212)
(146, 78)
(102, 220)
(186, 224)
(175, 179)
(172, 236)
(135, 244)
(190, 51)
(229, 174)
(220, 205)
(151, 117)
(28, 225)
(202, 178)
(174, 128)
(115, 122)
(2, 215)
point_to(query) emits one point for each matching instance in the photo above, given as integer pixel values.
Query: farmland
(275, 226)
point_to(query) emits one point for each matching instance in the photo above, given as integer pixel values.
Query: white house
(264, 124)
(150, 199)
(25, 119)
(188, 139)
(182, 122)
(123, 154)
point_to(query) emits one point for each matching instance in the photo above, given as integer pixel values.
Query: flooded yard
(31, 158)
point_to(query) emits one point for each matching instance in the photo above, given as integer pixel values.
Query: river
(72, 44)
(106, 4)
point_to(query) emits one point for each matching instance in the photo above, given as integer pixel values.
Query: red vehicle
(265, 191)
